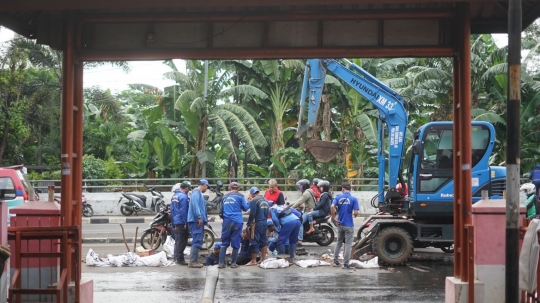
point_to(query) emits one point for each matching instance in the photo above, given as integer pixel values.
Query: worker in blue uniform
(213, 257)
(535, 178)
(258, 214)
(287, 225)
(179, 216)
(231, 232)
(197, 217)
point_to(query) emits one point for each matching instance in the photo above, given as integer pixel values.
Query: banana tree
(216, 113)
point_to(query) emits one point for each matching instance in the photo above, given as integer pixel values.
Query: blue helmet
(269, 222)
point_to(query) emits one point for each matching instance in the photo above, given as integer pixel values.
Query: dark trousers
(244, 259)
(182, 235)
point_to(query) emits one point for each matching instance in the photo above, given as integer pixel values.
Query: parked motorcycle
(214, 204)
(136, 202)
(87, 209)
(324, 233)
(160, 228)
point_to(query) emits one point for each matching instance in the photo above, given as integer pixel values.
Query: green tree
(213, 109)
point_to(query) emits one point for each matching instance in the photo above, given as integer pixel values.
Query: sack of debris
(311, 263)
(274, 263)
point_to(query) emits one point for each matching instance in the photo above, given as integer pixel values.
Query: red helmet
(405, 191)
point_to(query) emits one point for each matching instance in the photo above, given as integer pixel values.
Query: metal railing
(68, 254)
(165, 184)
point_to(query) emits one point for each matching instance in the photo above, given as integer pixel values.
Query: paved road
(418, 282)
(113, 229)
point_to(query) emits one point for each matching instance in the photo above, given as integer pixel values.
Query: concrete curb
(117, 220)
(212, 274)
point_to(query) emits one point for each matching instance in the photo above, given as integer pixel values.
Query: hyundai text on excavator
(421, 216)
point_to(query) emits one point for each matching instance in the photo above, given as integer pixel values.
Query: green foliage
(93, 168)
(306, 166)
(112, 170)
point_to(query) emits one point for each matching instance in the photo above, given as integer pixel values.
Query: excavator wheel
(393, 246)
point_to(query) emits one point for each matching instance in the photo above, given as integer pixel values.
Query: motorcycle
(324, 233)
(214, 204)
(87, 209)
(160, 228)
(136, 202)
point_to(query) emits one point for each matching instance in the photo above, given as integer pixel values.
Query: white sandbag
(159, 259)
(116, 261)
(528, 258)
(311, 263)
(274, 263)
(371, 263)
(93, 259)
(331, 256)
(168, 247)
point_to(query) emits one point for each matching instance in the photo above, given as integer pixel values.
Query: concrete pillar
(489, 220)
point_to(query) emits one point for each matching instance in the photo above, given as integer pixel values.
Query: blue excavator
(414, 211)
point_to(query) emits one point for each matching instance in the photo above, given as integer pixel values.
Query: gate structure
(251, 29)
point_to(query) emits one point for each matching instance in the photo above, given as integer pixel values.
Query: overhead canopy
(219, 29)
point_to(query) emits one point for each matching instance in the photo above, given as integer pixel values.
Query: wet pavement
(329, 284)
(420, 281)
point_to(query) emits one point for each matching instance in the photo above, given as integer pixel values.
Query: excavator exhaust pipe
(324, 151)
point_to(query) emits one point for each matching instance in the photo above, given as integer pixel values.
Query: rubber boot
(222, 253)
(234, 258)
(281, 249)
(194, 258)
(292, 251)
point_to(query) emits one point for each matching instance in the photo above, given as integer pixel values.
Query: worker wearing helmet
(535, 178)
(532, 200)
(315, 188)
(307, 200)
(322, 208)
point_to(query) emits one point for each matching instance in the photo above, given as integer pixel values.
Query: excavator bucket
(324, 151)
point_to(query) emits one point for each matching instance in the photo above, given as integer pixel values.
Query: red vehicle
(13, 178)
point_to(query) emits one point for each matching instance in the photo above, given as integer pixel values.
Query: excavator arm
(391, 113)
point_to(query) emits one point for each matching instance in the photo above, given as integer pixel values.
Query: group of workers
(273, 224)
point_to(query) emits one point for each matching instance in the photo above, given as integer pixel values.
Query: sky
(145, 72)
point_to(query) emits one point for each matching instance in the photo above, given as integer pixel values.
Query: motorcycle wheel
(126, 211)
(448, 249)
(150, 238)
(329, 235)
(87, 211)
(159, 207)
(208, 239)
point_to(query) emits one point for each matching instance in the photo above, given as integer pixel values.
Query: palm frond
(495, 70)
(181, 78)
(247, 119)
(197, 105)
(244, 89)
(185, 99)
(393, 63)
(294, 64)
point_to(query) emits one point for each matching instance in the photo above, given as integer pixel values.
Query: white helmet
(175, 187)
(528, 188)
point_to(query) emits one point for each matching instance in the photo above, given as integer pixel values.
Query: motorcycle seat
(320, 219)
(142, 197)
